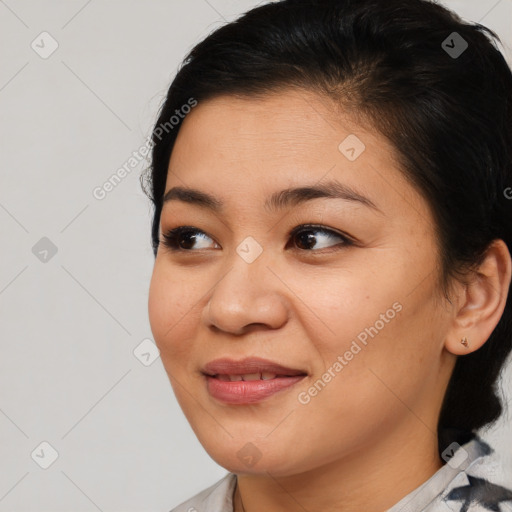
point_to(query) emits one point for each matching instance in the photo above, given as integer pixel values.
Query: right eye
(182, 237)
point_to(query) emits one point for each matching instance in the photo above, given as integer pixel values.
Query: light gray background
(70, 325)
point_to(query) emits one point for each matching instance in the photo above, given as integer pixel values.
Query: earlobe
(484, 301)
(461, 346)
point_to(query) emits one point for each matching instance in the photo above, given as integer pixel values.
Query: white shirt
(463, 484)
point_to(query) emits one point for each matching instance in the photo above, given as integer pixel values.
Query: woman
(332, 231)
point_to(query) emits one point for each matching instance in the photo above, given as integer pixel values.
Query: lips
(248, 381)
(252, 368)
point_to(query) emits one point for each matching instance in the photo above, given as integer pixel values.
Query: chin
(246, 457)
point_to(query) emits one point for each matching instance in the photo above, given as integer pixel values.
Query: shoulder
(478, 494)
(216, 498)
(468, 482)
(476, 487)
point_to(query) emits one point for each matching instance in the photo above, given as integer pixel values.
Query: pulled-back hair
(395, 65)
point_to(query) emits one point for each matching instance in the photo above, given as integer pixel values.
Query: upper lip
(226, 366)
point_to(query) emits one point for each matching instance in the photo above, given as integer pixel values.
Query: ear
(481, 302)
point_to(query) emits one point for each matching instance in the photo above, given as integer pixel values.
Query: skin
(368, 438)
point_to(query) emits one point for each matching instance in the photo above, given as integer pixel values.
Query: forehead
(299, 118)
(243, 145)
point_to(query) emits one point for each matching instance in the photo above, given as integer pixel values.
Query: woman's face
(351, 303)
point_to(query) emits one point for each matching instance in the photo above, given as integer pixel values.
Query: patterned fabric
(463, 484)
(482, 492)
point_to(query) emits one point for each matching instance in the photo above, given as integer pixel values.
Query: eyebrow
(278, 200)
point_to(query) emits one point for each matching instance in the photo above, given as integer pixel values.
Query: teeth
(247, 377)
(251, 376)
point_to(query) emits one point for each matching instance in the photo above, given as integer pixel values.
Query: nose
(247, 297)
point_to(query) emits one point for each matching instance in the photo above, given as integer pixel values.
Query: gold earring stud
(464, 341)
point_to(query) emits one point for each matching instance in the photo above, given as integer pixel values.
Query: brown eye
(307, 237)
(183, 238)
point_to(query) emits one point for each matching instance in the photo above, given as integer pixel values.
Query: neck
(372, 479)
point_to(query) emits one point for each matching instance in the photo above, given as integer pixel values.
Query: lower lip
(248, 392)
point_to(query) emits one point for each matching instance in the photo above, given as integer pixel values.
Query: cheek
(342, 306)
(385, 336)
(172, 304)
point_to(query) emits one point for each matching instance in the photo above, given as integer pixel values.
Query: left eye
(183, 238)
(303, 234)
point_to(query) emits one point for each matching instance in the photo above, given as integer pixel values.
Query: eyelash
(170, 238)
